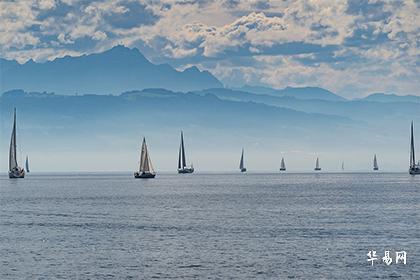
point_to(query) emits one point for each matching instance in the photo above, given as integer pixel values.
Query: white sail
(375, 163)
(145, 161)
(12, 152)
(414, 167)
(241, 163)
(14, 170)
(412, 152)
(182, 161)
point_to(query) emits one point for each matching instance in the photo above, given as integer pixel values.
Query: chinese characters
(400, 257)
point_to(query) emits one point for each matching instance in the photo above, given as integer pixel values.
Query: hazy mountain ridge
(114, 71)
(390, 97)
(305, 93)
(362, 110)
(159, 98)
(89, 127)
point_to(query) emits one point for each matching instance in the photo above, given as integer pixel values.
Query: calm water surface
(247, 226)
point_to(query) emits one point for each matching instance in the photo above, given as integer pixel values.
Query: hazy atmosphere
(293, 79)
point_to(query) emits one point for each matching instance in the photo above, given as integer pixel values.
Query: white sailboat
(182, 161)
(14, 170)
(375, 163)
(317, 166)
(241, 163)
(146, 168)
(414, 167)
(282, 165)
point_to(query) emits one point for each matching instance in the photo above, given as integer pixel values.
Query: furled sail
(27, 164)
(12, 152)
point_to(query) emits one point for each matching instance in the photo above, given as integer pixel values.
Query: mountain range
(103, 132)
(111, 72)
(297, 92)
(90, 112)
(121, 69)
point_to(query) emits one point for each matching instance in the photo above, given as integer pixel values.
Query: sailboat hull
(317, 169)
(375, 169)
(282, 169)
(186, 171)
(414, 170)
(16, 174)
(243, 169)
(144, 175)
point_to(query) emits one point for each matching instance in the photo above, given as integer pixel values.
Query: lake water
(208, 226)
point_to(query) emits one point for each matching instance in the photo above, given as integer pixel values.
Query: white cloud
(45, 4)
(372, 52)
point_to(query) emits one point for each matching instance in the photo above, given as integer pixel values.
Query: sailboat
(241, 163)
(414, 168)
(317, 167)
(146, 168)
(27, 164)
(375, 163)
(182, 161)
(282, 165)
(342, 166)
(14, 170)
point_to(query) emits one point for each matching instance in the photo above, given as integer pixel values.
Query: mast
(12, 152)
(241, 165)
(412, 153)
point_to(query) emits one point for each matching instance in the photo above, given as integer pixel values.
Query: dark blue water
(97, 226)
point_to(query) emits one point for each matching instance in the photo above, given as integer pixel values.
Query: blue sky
(351, 47)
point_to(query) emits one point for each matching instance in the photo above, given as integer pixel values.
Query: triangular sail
(180, 155)
(145, 162)
(182, 162)
(282, 165)
(412, 152)
(142, 155)
(317, 163)
(27, 164)
(241, 163)
(146, 166)
(12, 152)
(375, 162)
(150, 165)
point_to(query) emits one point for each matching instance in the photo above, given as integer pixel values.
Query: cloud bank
(351, 47)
